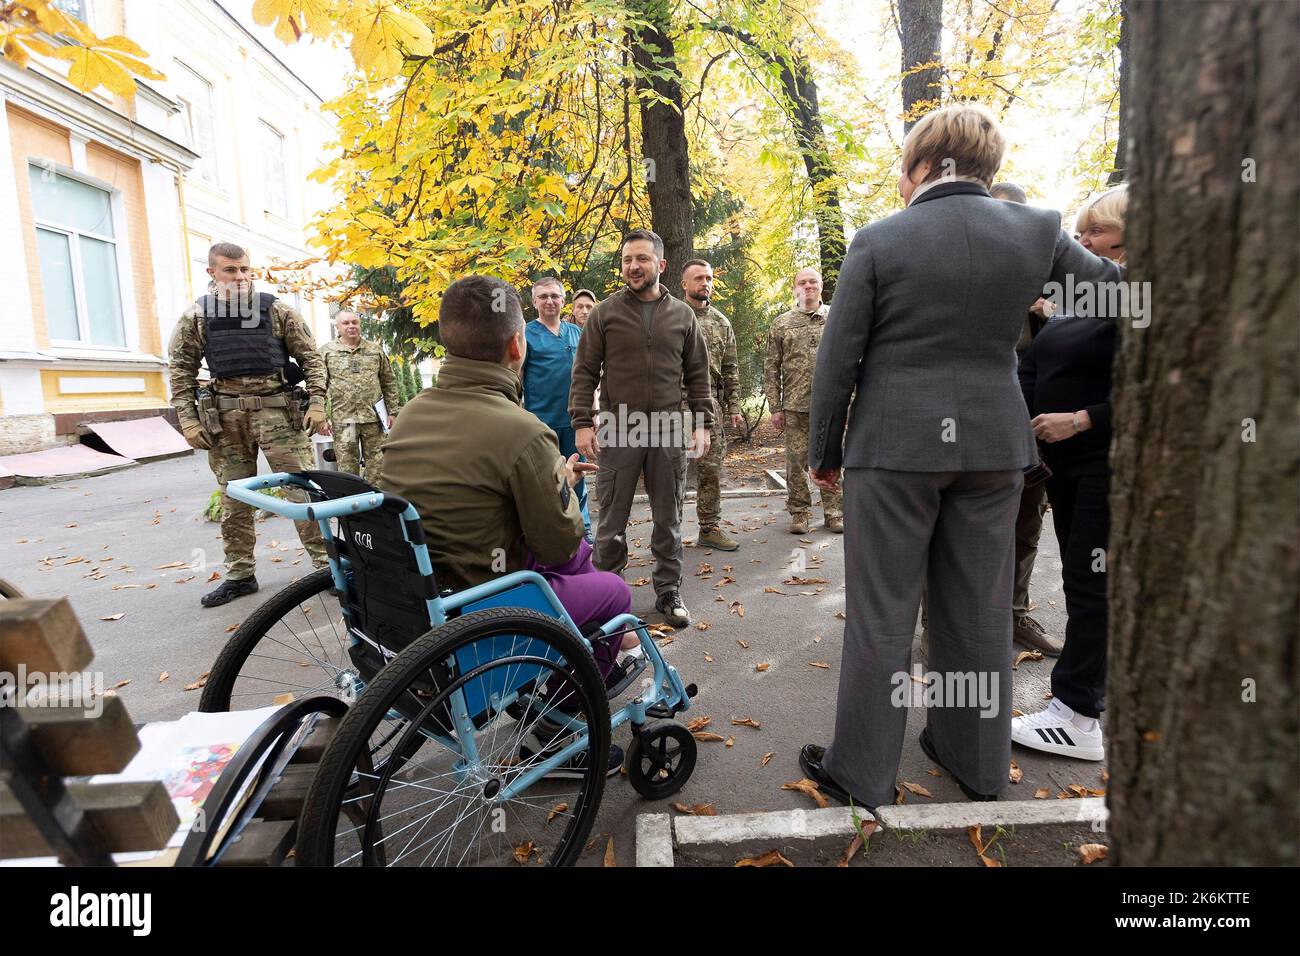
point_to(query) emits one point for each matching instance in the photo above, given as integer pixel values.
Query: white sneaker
(1056, 730)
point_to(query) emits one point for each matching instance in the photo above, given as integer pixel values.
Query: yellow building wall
(54, 383)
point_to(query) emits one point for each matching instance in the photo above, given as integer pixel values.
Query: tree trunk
(801, 89)
(1203, 557)
(920, 30)
(1121, 141)
(663, 137)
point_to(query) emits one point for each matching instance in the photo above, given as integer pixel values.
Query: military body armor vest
(234, 346)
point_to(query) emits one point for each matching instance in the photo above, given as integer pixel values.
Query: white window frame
(120, 256)
(282, 215)
(209, 170)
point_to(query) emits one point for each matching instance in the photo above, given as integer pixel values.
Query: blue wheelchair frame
(522, 589)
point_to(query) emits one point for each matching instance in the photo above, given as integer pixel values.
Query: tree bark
(663, 137)
(920, 29)
(1121, 141)
(1203, 553)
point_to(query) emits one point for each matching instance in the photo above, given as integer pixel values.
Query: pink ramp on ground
(67, 460)
(141, 438)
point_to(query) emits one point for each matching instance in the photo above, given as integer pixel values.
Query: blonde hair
(1106, 211)
(966, 133)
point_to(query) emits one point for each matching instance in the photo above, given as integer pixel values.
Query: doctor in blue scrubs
(548, 370)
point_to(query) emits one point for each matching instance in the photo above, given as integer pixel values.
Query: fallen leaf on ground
(698, 723)
(935, 773)
(1015, 774)
(113, 617)
(899, 795)
(184, 580)
(76, 560)
(725, 581)
(854, 846)
(761, 667)
(770, 858)
(1042, 793)
(163, 676)
(198, 683)
(703, 626)
(731, 741)
(73, 525)
(704, 569)
(1027, 656)
(1105, 776)
(767, 758)
(640, 582)
(1151, 736)
(609, 853)
(708, 736)
(745, 722)
(744, 644)
(1092, 852)
(820, 664)
(524, 852)
(772, 590)
(1017, 713)
(281, 700)
(976, 840)
(696, 809)
(840, 615)
(809, 788)
(795, 579)
(233, 627)
(556, 811)
(917, 789)
(989, 861)
(737, 608)
(214, 576)
(1047, 695)
(171, 564)
(123, 587)
(121, 683)
(708, 659)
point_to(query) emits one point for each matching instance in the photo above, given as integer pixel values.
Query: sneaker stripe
(1043, 733)
(1055, 739)
(1061, 731)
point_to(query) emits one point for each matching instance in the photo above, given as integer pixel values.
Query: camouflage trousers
(798, 499)
(234, 455)
(370, 436)
(708, 479)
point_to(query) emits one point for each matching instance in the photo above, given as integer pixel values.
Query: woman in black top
(1065, 376)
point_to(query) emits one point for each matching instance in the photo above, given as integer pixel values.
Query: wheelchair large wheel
(293, 646)
(455, 794)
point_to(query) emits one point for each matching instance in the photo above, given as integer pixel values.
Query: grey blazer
(927, 310)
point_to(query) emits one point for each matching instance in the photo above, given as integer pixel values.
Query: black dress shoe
(227, 591)
(810, 762)
(928, 746)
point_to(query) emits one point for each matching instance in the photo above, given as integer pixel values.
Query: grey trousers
(665, 482)
(957, 529)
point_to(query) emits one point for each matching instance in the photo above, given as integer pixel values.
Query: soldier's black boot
(227, 591)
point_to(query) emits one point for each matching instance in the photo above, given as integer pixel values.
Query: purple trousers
(591, 597)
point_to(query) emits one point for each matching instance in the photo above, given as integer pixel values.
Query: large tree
(1203, 554)
(920, 32)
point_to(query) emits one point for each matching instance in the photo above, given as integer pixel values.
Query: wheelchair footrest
(661, 711)
(622, 676)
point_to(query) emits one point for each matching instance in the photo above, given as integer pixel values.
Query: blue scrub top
(548, 371)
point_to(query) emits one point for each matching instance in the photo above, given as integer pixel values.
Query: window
(77, 246)
(195, 95)
(78, 9)
(275, 197)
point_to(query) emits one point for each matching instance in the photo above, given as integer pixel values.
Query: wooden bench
(46, 810)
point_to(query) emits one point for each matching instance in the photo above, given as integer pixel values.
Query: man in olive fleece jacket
(645, 349)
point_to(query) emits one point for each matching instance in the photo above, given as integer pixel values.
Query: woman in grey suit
(924, 323)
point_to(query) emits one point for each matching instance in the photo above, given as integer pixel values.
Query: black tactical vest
(233, 345)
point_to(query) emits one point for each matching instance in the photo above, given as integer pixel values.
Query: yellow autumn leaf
(294, 17)
(383, 35)
(96, 66)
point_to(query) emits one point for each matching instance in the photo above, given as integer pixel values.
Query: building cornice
(53, 100)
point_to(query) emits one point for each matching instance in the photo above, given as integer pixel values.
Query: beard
(649, 278)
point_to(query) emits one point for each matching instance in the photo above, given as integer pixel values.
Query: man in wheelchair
(488, 477)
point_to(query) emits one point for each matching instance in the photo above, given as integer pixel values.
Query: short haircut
(813, 269)
(695, 262)
(585, 294)
(966, 133)
(478, 316)
(1107, 210)
(547, 280)
(226, 250)
(342, 312)
(1011, 192)
(648, 236)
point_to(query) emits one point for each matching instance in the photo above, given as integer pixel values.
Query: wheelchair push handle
(248, 490)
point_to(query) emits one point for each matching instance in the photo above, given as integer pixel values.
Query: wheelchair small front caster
(661, 760)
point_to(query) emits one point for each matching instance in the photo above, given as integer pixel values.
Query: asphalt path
(125, 527)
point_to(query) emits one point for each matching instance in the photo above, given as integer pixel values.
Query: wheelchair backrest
(387, 592)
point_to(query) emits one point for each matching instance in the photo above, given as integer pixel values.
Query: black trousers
(1081, 514)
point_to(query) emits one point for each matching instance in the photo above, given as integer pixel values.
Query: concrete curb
(659, 835)
(726, 495)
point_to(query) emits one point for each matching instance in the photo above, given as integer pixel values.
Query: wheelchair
(478, 725)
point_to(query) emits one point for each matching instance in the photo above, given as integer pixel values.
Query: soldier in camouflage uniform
(788, 373)
(724, 379)
(247, 339)
(357, 374)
